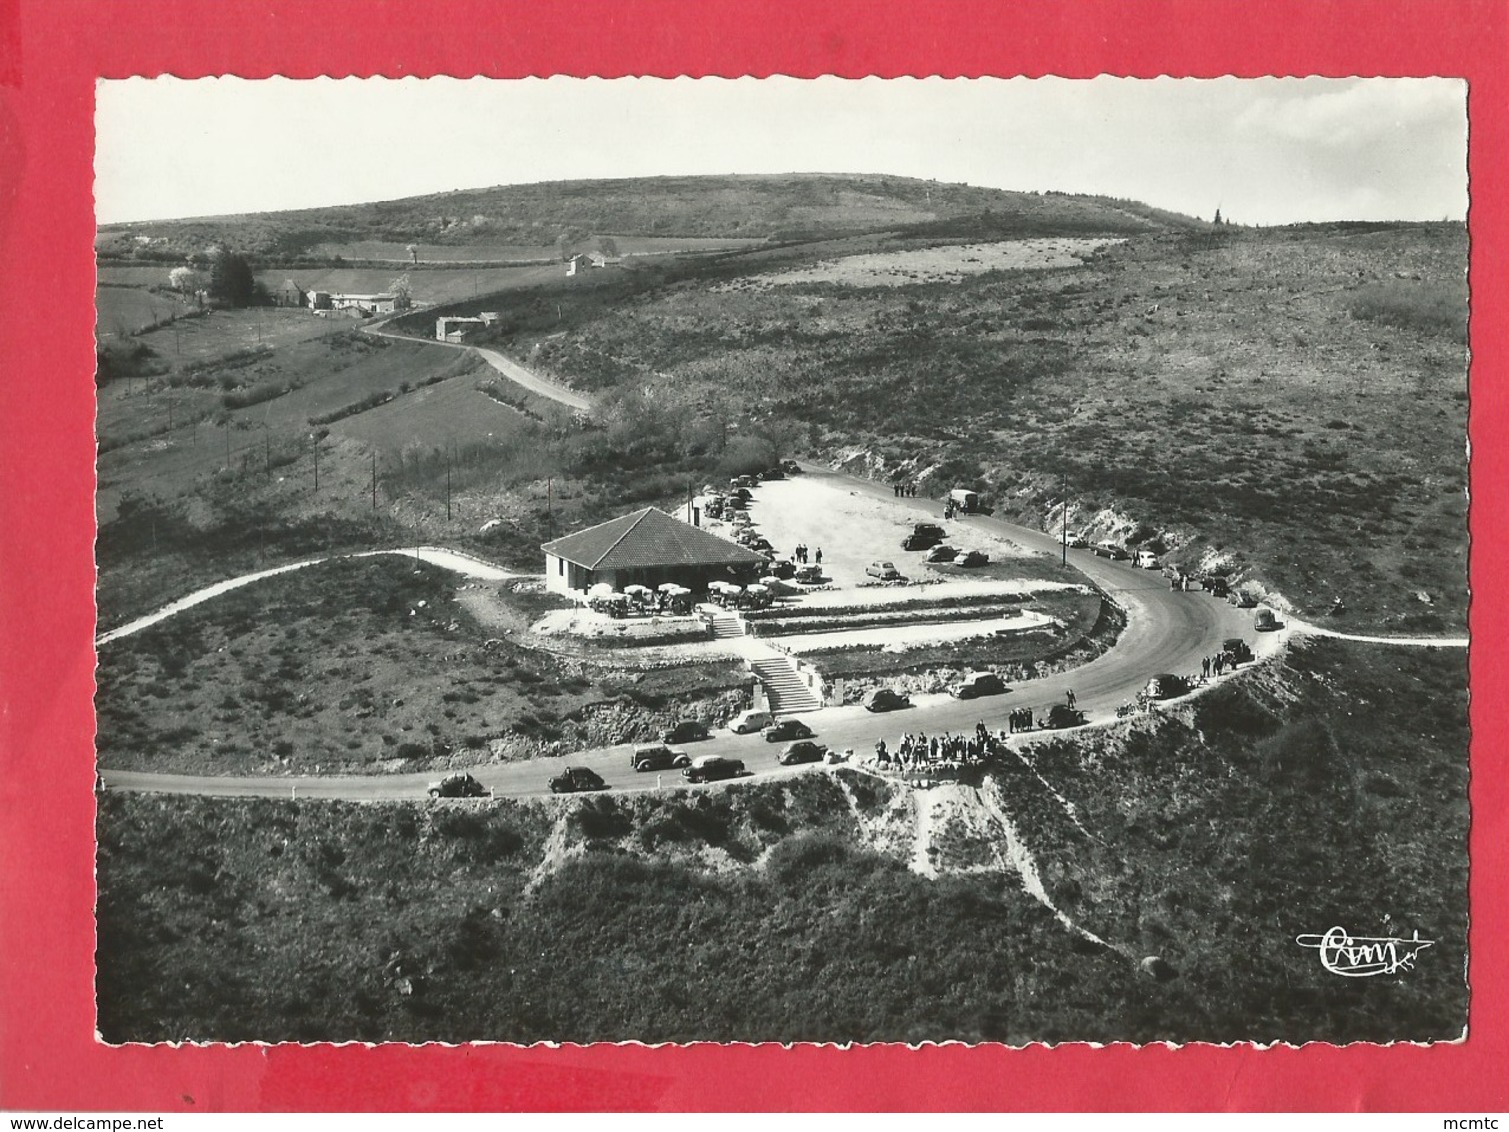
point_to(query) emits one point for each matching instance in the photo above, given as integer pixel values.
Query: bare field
(930, 265)
(122, 311)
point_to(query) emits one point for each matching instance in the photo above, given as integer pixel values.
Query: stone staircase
(727, 624)
(787, 692)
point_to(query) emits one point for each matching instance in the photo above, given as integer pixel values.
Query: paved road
(1166, 632)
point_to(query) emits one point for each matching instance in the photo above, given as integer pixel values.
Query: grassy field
(784, 911)
(121, 312)
(1289, 402)
(220, 333)
(368, 665)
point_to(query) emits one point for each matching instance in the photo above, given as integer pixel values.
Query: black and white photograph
(782, 560)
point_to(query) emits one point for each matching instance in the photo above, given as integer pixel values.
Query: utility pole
(549, 514)
(374, 481)
(316, 467)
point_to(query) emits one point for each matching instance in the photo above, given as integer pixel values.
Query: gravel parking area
(852, 531)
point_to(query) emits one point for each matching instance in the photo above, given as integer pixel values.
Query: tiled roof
(648, 538)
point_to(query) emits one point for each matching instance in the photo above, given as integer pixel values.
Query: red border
(50, 53)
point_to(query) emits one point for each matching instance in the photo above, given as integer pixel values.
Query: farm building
(366, 304)
(455, 327)
(647, 548)
(290, 294)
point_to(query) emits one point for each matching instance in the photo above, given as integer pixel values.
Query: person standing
(1069, 697)
(818, 558)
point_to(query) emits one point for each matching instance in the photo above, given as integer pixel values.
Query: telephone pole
(316, 467)
(374, 481)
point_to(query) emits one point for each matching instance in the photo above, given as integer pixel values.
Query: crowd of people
(904, 490)
(803, 555)
(939, 754)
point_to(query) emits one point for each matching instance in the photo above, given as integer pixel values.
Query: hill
(519, 222)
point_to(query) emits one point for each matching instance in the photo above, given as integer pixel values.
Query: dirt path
(504, 365)
(1419, 642)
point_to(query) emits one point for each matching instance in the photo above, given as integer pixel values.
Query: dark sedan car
(577, 778)
(459, 786)
(884, 699)
(686, 731)
(919, 542)
(787, 730)
(805, 751)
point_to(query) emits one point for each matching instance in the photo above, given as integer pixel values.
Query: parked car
(577, 778)
(919, 542)
(1242, 599)
(811, 575)
(972, 558)
(1062, 715)
(458, 786)
(1074, 540)
(978, 684)
(1238, 650)
(929, 530)
(1264, 621)
(788, 729)
(805, 751)
(1165, 686)
(686, 731)
(790, 467)
(1109, 549)
(775, 473)
(657, 757)
(941, 554)
(712, 768)
(784, 569)
(750, 720)
(1215, 585)
(885, 699)
(759, 542)
(1147, 560)
(885, 571)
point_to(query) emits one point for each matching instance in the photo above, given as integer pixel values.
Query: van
(750, 720)
(964, 500)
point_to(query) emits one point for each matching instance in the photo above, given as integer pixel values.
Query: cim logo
(1362, 956)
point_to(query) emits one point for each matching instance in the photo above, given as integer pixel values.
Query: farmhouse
(455, 327)
(647, 548)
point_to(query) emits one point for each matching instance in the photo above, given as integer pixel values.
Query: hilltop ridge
(744, 206)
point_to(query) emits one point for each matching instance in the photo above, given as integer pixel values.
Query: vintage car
(577, 778)
(978, 684)
(941, 554)
(972, 558)
(788, 729)
(803, 751)
(886, 699)
(657, 757)
(686, 731)
(458, 786)
(885, 571)
(712, 768)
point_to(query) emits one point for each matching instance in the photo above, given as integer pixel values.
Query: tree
(403, 294)
(1218, 217)
(185, 279)
(231, 279)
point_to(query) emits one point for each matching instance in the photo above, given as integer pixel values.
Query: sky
(1263, 151)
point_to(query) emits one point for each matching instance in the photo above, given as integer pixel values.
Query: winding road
(1166, 631)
